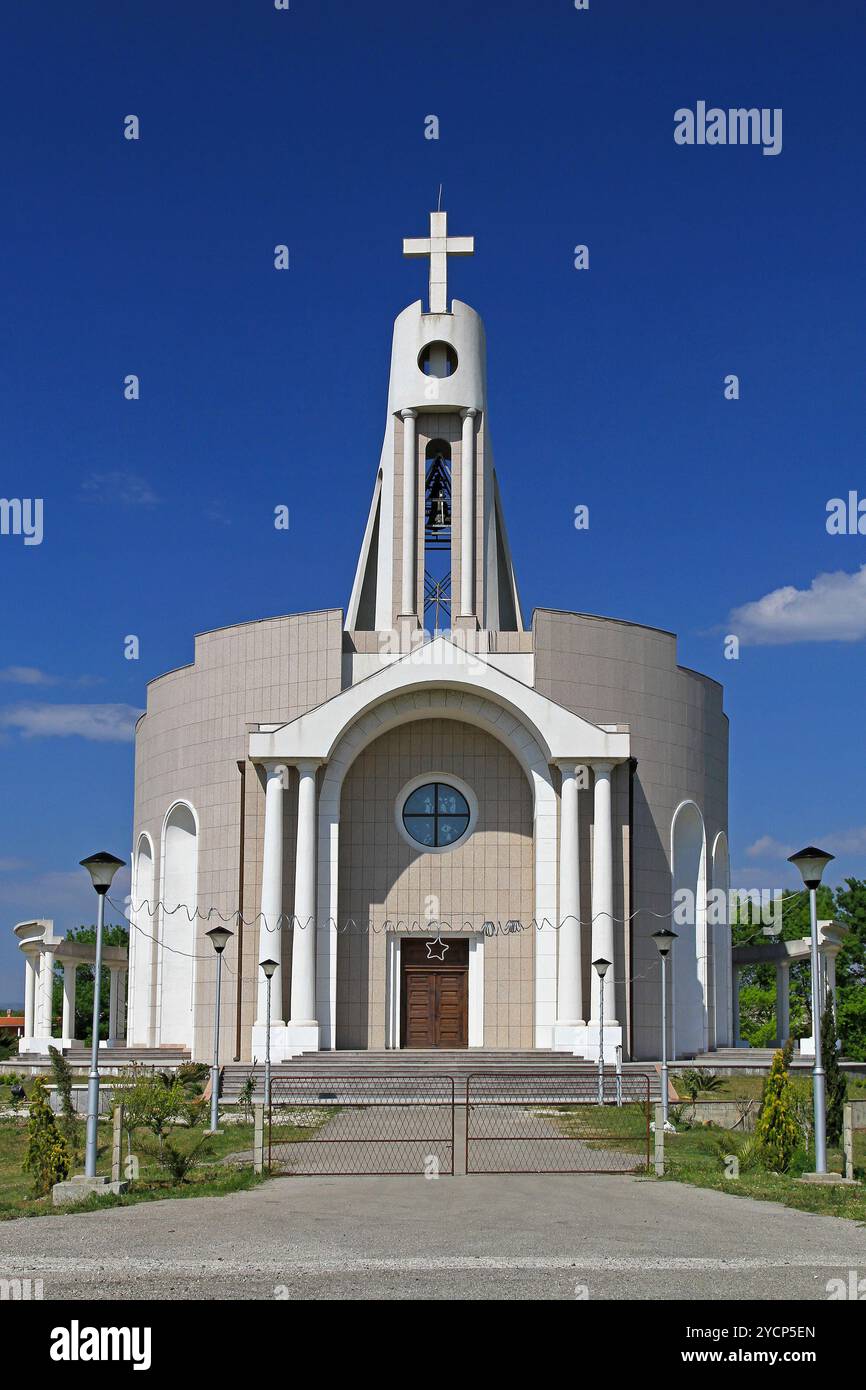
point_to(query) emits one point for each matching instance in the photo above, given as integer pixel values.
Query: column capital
(307, 765)
(408, 414)
(468, 412)
(602, 766)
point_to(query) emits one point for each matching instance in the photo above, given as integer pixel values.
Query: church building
(432, 813)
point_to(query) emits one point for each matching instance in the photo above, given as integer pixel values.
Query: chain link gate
(554, 1122)
(361, 1125)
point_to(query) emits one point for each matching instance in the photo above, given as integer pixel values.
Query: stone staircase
(457, 1063)
(113, 1058)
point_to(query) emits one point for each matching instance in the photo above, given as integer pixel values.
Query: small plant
(192, 1076)
(835, 1081)
(157, 1102)
(69, 1126)
(776, 1134)
(47, 1156)
(246, 1097)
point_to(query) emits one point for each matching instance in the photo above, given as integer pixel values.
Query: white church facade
(432, 816)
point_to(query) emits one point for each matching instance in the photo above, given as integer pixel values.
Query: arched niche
(689, 884)
(176, 975)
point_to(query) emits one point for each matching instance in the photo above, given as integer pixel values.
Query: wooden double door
(434, 994)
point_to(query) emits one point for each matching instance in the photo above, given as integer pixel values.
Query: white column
(830, 977)
(46, 983)
(29, 996)
(68, 1028)
(602, 892)
(569, 994)
(783, 1009)
(270, 933)
(113, 973)
(408, 602)
(467, 515)
(304, 933)
(121, 1004)
(735, 1005)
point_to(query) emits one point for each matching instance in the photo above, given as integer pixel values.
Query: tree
(46, 1158)
(83, 1025)
(834, 1078)
(850, 909)
(776, 1134)
(69, 1127)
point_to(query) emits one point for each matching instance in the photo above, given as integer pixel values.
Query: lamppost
(269, 967)
(664, 940)
(601, 967)
(219, 939)
(102, 867)
(812, 862)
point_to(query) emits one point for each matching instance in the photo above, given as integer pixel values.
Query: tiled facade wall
(612, 672)
(490, 877)
(187, 748)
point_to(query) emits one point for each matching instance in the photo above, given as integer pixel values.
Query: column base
(589, 1044)
(569, 1037)
(40, 1046)
(287, 1040)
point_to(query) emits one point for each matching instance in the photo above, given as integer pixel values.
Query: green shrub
(776, 1133)
(46, 1158)
(834, 1079)
(68, 1124)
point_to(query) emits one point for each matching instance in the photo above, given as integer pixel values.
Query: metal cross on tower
(439, 246)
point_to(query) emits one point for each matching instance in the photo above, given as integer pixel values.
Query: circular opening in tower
(438, 359)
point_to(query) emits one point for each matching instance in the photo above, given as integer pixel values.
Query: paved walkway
(453, 1238)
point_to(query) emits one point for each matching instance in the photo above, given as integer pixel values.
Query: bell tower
(435, 552)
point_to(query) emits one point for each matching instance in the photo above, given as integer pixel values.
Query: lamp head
(601, 966)
(219, 938)
(811, 862)
(664, 939)
(269, 967)
(102, 867)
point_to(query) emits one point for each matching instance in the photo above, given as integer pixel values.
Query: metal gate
(361, 1124)
(557, 1122)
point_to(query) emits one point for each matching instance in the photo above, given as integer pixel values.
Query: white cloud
(768, 848)
(120, 487)
(26, 675)
(10, 865)
(99, 723)
(832, 609)
(846, 841)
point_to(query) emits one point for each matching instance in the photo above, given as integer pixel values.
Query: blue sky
(258, 387)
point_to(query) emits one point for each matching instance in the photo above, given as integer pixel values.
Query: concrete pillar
(830, 976)
(121, 1004)
(569, 992)
(270, 933)
(408, 602)
(602, 893)
(29, 996)
(46, 984)
(113, 973)
(68, 1027)
(783, 1004)
(467, 514)
(303, 1009)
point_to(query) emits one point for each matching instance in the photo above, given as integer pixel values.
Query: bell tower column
(408, 601)
(467, 514)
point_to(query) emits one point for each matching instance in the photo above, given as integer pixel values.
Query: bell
(438, 510)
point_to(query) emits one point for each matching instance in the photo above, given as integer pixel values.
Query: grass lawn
(752, 1087)
(698, 1157)
(211, 1176)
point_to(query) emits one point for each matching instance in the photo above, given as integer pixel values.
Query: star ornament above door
(436, 949)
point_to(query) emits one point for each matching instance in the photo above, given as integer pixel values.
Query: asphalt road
(514, 1237)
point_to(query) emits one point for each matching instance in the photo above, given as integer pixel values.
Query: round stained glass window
(436, 815)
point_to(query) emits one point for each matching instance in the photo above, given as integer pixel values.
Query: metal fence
(361, 1124)
(553, 1122)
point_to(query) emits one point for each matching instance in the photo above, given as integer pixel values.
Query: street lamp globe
(811, 862)
(102, 867)
(219, 938)
(664, 940)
